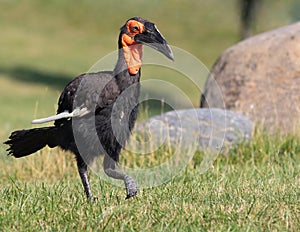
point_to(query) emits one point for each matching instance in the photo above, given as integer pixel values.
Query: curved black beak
(151, 37)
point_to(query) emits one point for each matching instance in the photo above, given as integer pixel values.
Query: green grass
(256, 188)
(44, 44)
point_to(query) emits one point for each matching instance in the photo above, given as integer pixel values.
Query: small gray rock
(208, 129)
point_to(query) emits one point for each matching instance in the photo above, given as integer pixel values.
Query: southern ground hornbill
(102, 105)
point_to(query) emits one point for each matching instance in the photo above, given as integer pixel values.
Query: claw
(93, 199)
(131, 195)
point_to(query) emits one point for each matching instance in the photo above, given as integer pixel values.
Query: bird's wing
(84, 91)
(84, 95)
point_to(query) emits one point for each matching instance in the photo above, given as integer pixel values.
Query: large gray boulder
(207, 129)
(260, 77)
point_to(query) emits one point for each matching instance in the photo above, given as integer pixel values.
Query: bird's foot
(92, 199)
(131, 187)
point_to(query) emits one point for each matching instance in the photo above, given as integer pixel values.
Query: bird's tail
(25, 142)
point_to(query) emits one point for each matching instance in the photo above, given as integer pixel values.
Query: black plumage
(108, 105)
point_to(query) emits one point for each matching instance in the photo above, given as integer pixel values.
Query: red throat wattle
(133, 53)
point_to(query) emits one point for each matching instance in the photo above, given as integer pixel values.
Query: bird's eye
(135, 28)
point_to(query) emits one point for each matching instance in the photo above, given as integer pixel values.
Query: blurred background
(44, 44)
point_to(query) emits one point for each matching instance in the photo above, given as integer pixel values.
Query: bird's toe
(93, 199)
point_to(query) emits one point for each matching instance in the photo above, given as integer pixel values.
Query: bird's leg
(83, 173)
(109, 168)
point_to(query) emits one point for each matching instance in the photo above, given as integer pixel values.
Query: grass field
(256, 188)
(44, 44)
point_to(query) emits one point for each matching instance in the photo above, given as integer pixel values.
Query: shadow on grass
(31, 75)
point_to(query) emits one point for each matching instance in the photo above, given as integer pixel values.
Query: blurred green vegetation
(44, 44)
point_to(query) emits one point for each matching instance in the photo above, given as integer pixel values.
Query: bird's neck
(130, 55)
(127, 69)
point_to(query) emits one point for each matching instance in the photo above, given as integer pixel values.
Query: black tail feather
(25, 142)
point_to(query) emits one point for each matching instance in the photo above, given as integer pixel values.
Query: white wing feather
(75, 113)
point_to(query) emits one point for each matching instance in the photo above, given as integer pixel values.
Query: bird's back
(89, 90)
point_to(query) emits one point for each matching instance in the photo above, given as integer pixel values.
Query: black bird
(97, 111)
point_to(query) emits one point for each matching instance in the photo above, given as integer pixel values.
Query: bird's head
(137, 32)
